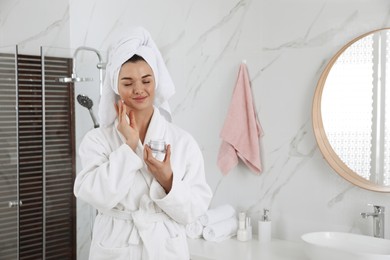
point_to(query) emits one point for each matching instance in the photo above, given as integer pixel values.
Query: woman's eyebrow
(126, 78)
(130, 78)
(147, 75)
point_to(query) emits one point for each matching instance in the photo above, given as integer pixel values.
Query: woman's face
(136, 85)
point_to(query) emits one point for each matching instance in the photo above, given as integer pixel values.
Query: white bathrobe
(137, 219)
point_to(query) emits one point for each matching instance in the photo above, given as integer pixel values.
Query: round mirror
(351, 111)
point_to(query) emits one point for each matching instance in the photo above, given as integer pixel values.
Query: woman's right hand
(128, 130)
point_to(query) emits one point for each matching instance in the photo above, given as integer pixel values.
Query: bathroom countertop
(233, 249)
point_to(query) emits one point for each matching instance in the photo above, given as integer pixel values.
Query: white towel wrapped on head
(140, 42)
(217, 214)
(194, 230)
(222, 230)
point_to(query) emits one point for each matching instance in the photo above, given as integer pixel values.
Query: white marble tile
(33, 24)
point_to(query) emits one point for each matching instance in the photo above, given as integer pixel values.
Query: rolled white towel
(222, 230)
(217, 214)
(194, 230)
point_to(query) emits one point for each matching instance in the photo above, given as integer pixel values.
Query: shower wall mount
(75, 78)
(84, 100)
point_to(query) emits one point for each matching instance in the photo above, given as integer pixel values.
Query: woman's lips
(139, 99)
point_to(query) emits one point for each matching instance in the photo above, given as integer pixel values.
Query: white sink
(345, 246)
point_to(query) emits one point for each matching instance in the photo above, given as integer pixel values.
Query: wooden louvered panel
(47, 159)
(44, 156)
(60, 161)
(8, 156)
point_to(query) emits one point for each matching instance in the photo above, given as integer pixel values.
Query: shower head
(74, 78)
(85, 101)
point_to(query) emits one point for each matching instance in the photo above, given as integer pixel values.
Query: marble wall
(286, 45)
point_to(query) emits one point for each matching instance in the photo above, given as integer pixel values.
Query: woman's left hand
(161, 170)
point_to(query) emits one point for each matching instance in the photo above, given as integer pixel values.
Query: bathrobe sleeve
(190, 194)
(107, 175)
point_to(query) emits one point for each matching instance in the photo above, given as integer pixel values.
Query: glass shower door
(9, 199)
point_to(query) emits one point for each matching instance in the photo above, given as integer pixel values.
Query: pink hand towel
(241, 131)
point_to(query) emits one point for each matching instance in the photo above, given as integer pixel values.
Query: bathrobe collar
(156, 130)
(157, 127)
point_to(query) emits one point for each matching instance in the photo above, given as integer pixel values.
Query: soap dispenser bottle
(244, 232)
(264, 227)
(241, 232)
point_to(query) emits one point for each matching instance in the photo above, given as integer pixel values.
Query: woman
(143, 202)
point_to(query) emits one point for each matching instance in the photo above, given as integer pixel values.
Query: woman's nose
(137, 88)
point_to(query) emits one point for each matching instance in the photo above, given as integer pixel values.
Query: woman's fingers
(123, 112)
(133, 123)
(161, 170)
(116, 109)
(119, 110)
(146, 154)
(154, 163)
(167, 158)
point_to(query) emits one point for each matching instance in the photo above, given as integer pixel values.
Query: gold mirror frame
(322, 140)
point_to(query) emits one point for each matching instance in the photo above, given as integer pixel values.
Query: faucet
(379, 220)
